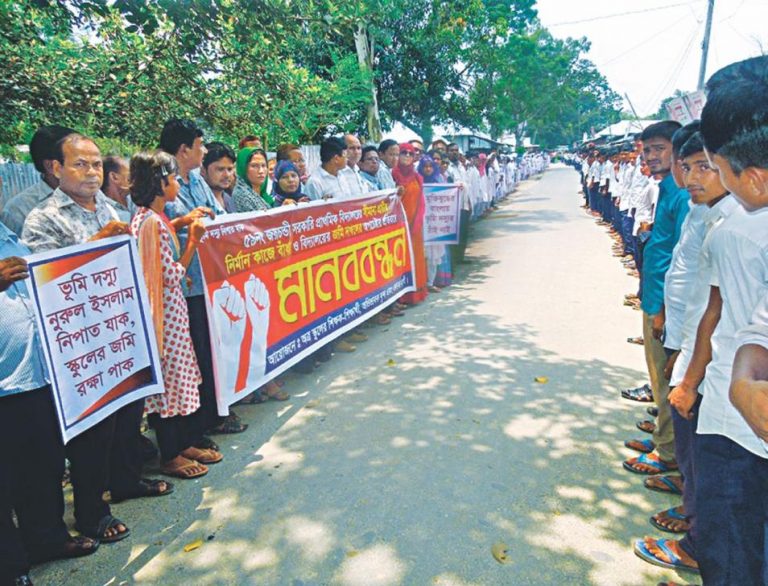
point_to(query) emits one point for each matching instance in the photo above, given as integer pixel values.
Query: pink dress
(159, 251)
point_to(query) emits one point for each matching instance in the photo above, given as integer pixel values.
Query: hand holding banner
(281, 284)
(95, 326)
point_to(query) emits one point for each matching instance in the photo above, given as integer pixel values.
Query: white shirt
(682, 273)
(698, 293)
(356, 184)
(644, 201)
(459, 174)
(594, 171)
(738, 254)
(341, 186)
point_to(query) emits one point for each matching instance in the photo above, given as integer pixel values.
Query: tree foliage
(289, 69)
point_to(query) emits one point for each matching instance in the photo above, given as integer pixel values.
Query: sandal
(80, 546)
(656, 465)
(645, 446)
(637, 340)
(382, 320)
(205, 443)
(231, 424)
(255, 398)
(652, 411)
(146, 487)
(106, 523)
(181, 467)
(646, 425)
(670, 514)
(277, 396)
(665, 484)
(640, 394)
(674, 563)
(202, 456)
(73, 547)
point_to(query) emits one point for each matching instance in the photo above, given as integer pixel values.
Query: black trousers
(457, 251)
(173, 434)
(106, 456)
(30, 482)
(207, 416)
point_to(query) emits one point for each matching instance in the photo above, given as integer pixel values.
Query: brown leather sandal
(203, 456)
(181, 467)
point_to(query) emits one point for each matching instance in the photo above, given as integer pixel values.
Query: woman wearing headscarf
(438, 260)
(287, 185)
(250, 191)
(412, 196)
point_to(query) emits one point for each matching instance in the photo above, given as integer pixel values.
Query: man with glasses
(369, 167)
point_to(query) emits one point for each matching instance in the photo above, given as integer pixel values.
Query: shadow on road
(403, 464)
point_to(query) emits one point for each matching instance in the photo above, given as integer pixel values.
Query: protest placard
(94, 321)
(443, 209)
(281, 284)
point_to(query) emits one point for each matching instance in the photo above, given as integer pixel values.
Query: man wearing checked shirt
(30, 474)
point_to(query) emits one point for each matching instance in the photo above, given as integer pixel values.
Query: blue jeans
(731, 505)
(593, 198)
(685, 447)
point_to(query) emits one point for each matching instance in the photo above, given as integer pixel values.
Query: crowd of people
(162, 198)
(687, 207)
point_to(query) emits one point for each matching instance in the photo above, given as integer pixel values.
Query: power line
(643, 42)
(618, 14)
(671, 79)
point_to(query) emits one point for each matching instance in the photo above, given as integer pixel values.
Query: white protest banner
(443, 209)
(95, 325)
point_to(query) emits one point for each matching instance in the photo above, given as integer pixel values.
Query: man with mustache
(670, 212)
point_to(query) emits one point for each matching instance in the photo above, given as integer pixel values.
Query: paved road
(405, 462)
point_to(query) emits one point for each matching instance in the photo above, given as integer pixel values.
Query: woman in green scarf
(250, 191)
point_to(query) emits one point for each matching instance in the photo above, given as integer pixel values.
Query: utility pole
(705, 45)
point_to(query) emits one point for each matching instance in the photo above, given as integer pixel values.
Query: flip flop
(660, 467)
(646, 426)
(675, 562)
(645, 446)
(147, 487)
(666, 481)
(105, 523)
(672, 514)
(641, 394)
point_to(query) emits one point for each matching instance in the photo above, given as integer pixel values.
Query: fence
(15, 177)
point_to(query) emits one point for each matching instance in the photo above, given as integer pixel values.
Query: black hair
(752, 70)
(284, 151)
(664, 129)
(734, 124)
(149, 174)
(42, 147)
(177, 132)
(110, 164)
(216, 151)
(331, 147)
(693, 145)
(368, 149)
(386, 144)
(58, 149)
(682, 135)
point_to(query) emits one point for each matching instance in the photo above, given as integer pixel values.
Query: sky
(648, 49)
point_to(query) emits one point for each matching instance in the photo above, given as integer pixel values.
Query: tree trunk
(365, 60)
